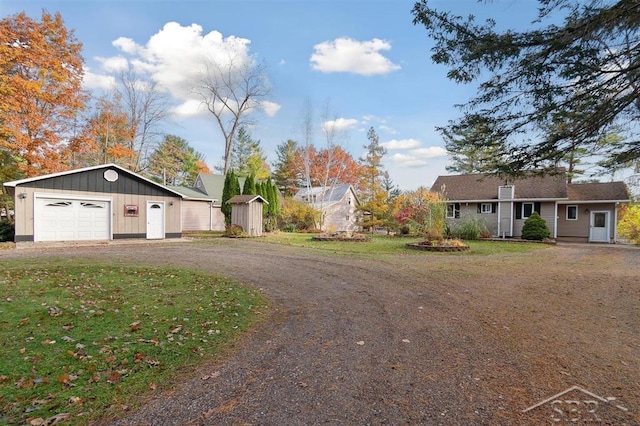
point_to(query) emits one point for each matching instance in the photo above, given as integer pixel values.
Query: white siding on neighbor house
(340, 217)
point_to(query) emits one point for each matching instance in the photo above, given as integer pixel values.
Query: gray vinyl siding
(249, 216)
(579, 229)
(547, 212)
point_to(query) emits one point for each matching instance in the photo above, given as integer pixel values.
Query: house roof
(191, 193)
(212, 186)
(598, 191)
(477, 187)
(325, 196)
(246, 199)
(15, 183)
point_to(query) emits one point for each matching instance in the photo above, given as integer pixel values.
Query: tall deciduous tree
(585, 68)
(104, 138)
(231, 87)
(40, 86)
(175, 162)
(146, 108)
(329, 166)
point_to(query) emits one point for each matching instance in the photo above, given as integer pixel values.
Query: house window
(453, 210)
(524, 210)
(572, 212)
(527, 210)
(486, 208)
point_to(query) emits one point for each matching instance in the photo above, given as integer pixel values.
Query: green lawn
(387, 245)
(82, 340)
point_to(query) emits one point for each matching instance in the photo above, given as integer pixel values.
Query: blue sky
(363, 58)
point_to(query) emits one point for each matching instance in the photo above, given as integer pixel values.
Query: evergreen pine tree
(249, 187)
(230, 189)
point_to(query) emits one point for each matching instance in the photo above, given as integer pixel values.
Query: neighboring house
(577, 212)
(337, 205)
(246, 211)
(94, 203)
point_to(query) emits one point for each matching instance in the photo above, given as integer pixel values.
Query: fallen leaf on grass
(113, 377)
(135, 326)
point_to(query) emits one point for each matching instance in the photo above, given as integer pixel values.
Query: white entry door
(155, 220)
(599, 227)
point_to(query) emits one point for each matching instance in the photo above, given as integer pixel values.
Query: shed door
(155, 220)
(60, 219)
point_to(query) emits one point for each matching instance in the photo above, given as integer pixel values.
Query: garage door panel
(71, 220)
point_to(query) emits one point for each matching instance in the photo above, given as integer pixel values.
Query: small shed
(246, 211)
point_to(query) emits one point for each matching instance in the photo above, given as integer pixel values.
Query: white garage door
(59, 219)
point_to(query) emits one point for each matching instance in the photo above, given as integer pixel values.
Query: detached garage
(95, 203)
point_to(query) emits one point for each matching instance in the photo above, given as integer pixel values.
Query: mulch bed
(443, 249)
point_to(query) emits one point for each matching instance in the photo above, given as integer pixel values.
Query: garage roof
(16, 183)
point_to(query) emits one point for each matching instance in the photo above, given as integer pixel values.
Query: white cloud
(387, 129)
(126, 45)
(348, 55)
(405, 160)
(340, 124)
(189, 108)
(113, 64)
(414, 157)
(97, 81)
(175, 58)
(402, 144)
(430, 152)
(270, 108)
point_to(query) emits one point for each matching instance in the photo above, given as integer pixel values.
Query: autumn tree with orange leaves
(105, 137)
(40, 92)
(329, 166)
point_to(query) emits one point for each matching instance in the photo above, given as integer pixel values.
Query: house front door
(155, 220)
(599, 227)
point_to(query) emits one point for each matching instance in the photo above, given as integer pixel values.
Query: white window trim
(484, 206)
(567, 212)
(533, 209)
(453, 211)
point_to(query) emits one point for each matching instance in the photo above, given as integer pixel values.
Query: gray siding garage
(95, 203)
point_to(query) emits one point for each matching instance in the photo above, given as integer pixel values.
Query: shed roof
(246, 199)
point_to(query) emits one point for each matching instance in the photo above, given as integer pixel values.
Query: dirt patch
(408, 339)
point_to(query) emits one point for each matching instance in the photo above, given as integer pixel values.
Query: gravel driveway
(410, 339)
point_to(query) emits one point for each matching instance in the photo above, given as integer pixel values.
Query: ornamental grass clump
(535, 228)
